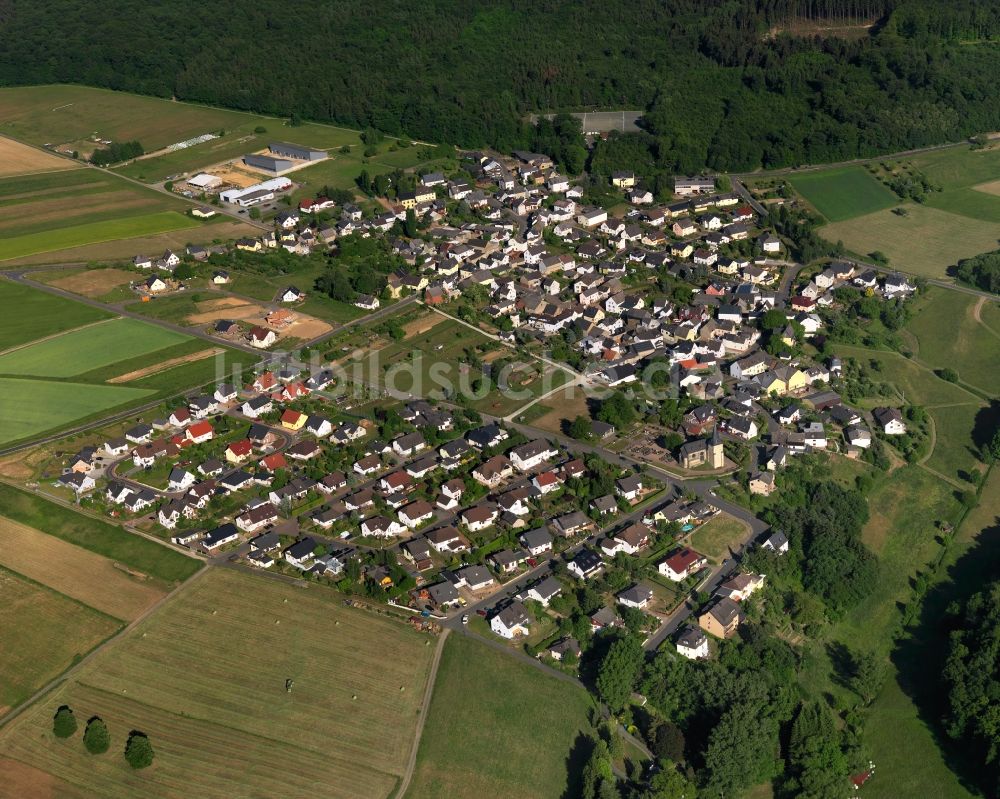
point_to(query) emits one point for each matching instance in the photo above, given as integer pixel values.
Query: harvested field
(20, 159)
(20, 780)
(162, 366)
(195, 677)
(75, 572)
(422, 324)
(41, 632)
(93, 282)
(989, 187)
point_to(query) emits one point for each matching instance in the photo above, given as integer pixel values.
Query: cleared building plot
(20, 159)
(75, 572)
(207, 678)
(41, 632)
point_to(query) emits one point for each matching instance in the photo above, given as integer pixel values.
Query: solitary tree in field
(138, 750)
(64, 722)
(96, 737)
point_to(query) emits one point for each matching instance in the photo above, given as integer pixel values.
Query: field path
(411, 764)
(17, 711)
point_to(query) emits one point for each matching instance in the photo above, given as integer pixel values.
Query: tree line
(718, 90)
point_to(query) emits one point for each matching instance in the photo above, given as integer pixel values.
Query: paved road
(742, 190)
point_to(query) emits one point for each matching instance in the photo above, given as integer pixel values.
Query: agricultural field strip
(79, 351)
(215, 612)
(74, 572)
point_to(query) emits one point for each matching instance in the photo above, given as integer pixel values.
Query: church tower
(715, 449)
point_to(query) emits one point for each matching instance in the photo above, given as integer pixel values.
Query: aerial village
(428, 504)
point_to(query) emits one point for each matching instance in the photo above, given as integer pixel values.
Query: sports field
(924, 242)
(29, 314)
(76, 572)
(498, 727)
(843, 193)
(41, 632)
(205, 678)
(75, 352)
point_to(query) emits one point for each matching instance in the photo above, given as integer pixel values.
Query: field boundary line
(51, 336)
(73, 669)
(411, 764)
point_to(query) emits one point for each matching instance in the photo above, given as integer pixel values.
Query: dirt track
(156, 368)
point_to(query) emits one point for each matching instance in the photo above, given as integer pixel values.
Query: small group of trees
(116, 152)
(97, 739)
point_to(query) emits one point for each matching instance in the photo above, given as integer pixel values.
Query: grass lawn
(717, 536)
(75, 353)
(205, 678)
(498, 727)
(925, 242)
(98, 536)
(93, 233)
(30, 314)
(34, 406)
(948, 334)
(843, 193)
(41, 634)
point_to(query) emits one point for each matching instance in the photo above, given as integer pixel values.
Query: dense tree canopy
(723, 86)
(972, 675)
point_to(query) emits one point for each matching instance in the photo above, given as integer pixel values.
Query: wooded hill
(724, 88)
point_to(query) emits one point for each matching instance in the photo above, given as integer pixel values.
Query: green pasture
(32, 407)
(843, 193)
(94, 233)
(30, 314)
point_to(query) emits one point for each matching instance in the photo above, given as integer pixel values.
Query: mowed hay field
(498, 727)
(20, 159)
(843, 193)
(141, 555)
(948, 333)
(69, 118)
(205, 676)
(29, 314)
(76, 572)
(925, 242)
(79, 351)
(41, 632)
(60, 210)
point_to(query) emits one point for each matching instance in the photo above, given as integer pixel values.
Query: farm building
(204, 181)
(268, 163)
(286, 150)
(257, 193)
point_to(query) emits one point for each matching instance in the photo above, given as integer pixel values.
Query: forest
(723, 83)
